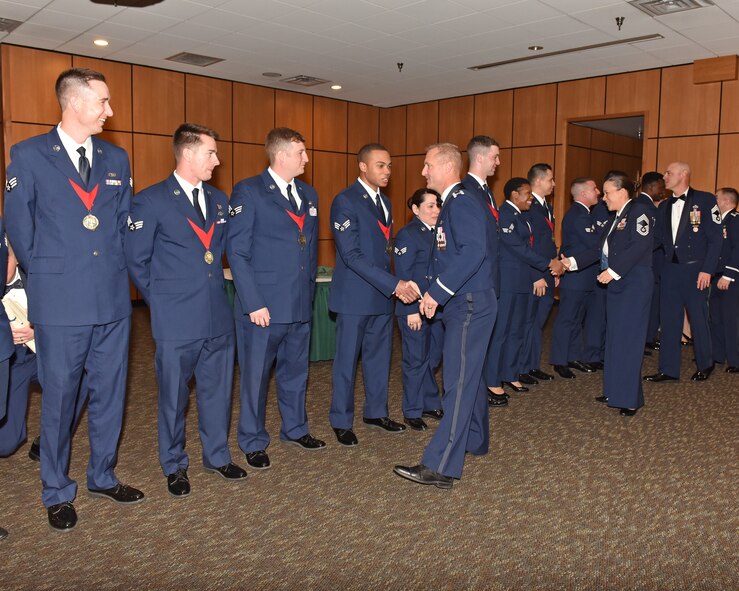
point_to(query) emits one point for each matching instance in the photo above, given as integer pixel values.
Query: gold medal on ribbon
(208, 257)
(301, 239)
(388, 248)
(90, 222)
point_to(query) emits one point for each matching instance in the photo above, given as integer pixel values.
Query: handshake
(407, 291)
(558, 266)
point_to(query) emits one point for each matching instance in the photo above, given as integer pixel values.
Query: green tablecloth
(323, 328)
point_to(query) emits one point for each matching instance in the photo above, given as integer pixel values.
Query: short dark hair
(538, 170)
(365, 151)
(514, 184)
(479, 143)
(651, 177)
(188, 135)
(74, 78)
(732, 193)
(280, 138)
(418, 197)
(622, 181)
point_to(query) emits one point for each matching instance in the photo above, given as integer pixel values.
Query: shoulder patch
(10, 184)
(642, 224)
(133, 226)
(456, 194)
(342, 227)
(508, 230)
(716, 214)
(234, 211)
(400, 251)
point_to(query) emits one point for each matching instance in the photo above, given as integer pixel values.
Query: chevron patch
(400, 251)
(342, 227)
(642, 224)
(234, 211)
(716, 214)
(10, 185)
(133, 226)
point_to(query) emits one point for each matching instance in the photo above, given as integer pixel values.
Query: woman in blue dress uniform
(626, 263)
(422, 338)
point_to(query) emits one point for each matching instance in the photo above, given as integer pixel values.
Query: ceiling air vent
(193, 59)
(303, 80)
(7, 25)
(665, 7)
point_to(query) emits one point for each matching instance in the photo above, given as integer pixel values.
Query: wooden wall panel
(456, 120)
(730, 107)
(687, 108)
(578, 164)
(326, 253)
(579, 98)
(392, 129)
(158, 100)
(329, 124)
(397, 193)
(728, 159)
(118, 78)
(363, 127)
(494, 116)
(17, 132)
(635, 92)
(253, 113)
(561, 195)
(602, 140)
(208, 102)
(534, 115)
(121, 139)
(223, 174)
(153, 160)
(413, 177)
(31, 74)
(330, 175)
(295, 111)
(248, 160)
(524, 158)
(699, 152)
(422, 126)
(600, 164)
(649, 158)
(502, 174)
(580, 136)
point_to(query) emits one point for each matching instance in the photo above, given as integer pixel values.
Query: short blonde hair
(448, 152)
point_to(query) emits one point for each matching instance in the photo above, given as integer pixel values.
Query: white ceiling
(357, 43)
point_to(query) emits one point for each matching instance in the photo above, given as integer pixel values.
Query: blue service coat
(85, 270)
(493, 229)
(413, 244)
(542, 223)
(580, 239)
(517, 256)
(166, 260)
(264, 240)
(362, 282)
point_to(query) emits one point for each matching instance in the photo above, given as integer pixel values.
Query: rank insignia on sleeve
(234, 211)
(456, 193)
(133, 226)
(508, 230)
(590, 229)
(342, 227)
(400, 251)
(716, 214)
(642, 224)
(10, 184)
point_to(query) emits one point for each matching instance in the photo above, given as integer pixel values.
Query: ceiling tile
(16, 11)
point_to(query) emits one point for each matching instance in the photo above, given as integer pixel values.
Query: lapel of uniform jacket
(58, 155)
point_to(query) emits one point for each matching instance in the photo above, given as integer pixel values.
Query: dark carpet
(571, 496)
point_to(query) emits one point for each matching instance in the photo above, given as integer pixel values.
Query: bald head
(677, 177)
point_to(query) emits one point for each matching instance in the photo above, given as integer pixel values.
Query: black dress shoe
(34, 452)
(515, 388)
(423, 475)
(346, 437)
(259, 460)
(497, 399)
(732, 369)
(230, 471)
(307, 442)
(384, 423)
(564, 372)
(3, 533)
(525, 378)
(436, 414)
(702, 374)
(120, 493)
(659, 377)
(596, 365)
(653, 345)
(540, 375)
(178, 484)
(627, 412)
(601, 399)
(580, 366)
(416, 424)
(62, 517)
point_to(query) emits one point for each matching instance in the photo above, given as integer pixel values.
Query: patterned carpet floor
(571, 496)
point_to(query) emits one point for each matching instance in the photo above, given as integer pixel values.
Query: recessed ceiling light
(336, 87)
(101, 42)
(272, 74)
(536, 47)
